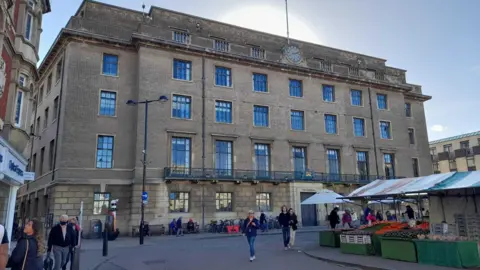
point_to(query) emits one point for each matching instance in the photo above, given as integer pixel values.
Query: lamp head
(163, 99)
(131, 102)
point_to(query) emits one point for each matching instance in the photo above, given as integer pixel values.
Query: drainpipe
(58, 116)
(203, 139)
(373, 130)
(33, 135)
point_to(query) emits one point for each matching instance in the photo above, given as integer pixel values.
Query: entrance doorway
(309, 211)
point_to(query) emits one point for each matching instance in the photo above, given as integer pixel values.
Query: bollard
(105, 240)
(76, 259)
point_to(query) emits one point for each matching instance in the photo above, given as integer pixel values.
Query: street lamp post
(144, 173)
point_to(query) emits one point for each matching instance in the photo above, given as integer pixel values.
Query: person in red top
(371, 218)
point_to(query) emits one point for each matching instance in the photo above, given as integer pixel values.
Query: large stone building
(20, 29)
(458, 153)
(252, 121)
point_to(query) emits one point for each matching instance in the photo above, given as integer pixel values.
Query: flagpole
(286, 14)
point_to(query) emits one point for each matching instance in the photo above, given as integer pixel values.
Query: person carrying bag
(28, 252)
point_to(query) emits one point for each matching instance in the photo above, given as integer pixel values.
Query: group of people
(287, 219)
(176, 228)
(29, 252)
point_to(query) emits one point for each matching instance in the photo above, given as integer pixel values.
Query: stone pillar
(11, 211)
(443, 166)
(462, 164)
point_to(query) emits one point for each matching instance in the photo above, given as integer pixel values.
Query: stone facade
(145, 51)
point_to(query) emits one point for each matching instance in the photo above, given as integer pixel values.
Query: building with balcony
(458, 153)
(20, 29)
(252, 121)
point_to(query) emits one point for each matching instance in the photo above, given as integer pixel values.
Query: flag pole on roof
(286, 14)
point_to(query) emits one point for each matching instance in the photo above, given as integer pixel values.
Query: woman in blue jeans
(284, 220)
(250, 227)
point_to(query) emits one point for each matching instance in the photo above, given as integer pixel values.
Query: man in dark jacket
(263, 222)
(284, 220)
(62, 239)
(179, 227)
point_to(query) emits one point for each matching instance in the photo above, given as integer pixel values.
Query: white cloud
(438, 128)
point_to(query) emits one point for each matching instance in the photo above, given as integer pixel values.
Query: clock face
(292, 54)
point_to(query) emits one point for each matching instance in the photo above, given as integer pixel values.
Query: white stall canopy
(325, 196)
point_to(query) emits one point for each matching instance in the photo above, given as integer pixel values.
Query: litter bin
(94, 231)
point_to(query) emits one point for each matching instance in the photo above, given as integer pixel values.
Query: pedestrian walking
(334, 218)
(30, 248)
(293, 226)
(179, 227)
(263, 222)
(250, 226)
(347, 219)
(62, 240)
(284, 220)
(73, 222)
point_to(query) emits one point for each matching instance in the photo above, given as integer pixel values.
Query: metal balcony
(172, 173)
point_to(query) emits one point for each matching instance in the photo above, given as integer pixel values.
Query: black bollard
(105, 240)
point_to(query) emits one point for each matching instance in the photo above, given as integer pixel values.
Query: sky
(436, 41)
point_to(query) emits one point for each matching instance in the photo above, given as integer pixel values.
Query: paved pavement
(190, 252)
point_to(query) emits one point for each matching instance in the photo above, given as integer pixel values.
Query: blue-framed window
(328, 93)
(356, 96)
(359, 127)
(182, 70)
(382, 102)
(260, 82)
(296, 89)
(408, 109)
(299, 161)
(362, 164)
(223, 111)
(262, 159)
(297, 120)
(333, 163)
(28, 27)
(223, 76)
(389, 162)
(181, 107)
(181, 155)
(18, 108)
(110, 64)
(223, 158)
(260, 116)
(331, 124)
(105, 151)
(385, 130)
(108, 103)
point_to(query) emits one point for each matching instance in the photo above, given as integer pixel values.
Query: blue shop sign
(11, 166)
(15, 168)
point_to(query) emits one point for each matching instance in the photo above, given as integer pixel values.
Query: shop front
(12, 175)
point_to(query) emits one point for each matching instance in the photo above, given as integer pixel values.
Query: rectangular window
(263, 202)
(223, 201)
(256, 52)
(45, 122)
(223, 158)
(223, 76)
(31, 3)
(331, 124)
(40, 96)
(105, 152)
(260, 116)
(411, 135)
(385, 130)
(382, 103)
(221, 45)
(55, 108)
(389, 161)
(59, 70)
(42, 160)
(179, 202)
(359, 127)
(362, 165)
(108, 103)
(33, 166)
(408, 109)
(260, 82)
(182, 70)
(181, 107)
(32, 130)
(433, 151)
(37, 127)
(181, 155)
(296, 88)
(447, 148)
(464, 145)
(262, 159)
(328, 93)
(110, 64)
(22, 80)
(223, 112)
(415, 167)
(299, 161)
(49, 83)
(181, 37)
(51, 152)
(297, 120)
(333, 162)
(101, 203)
(28, 27)
(18, 108)
(356, 96)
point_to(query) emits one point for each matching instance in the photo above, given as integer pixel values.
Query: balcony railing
(172, 173)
